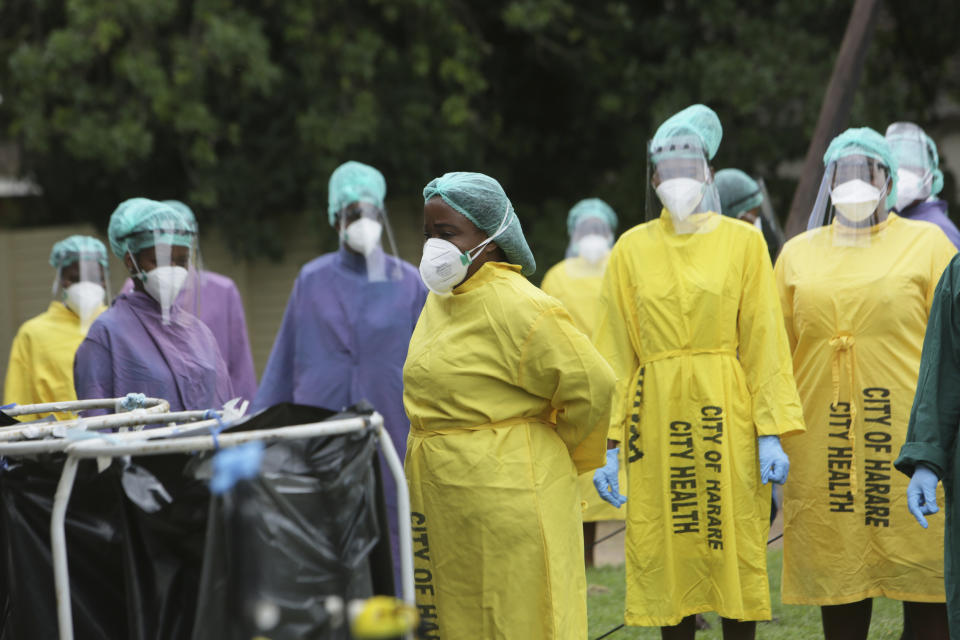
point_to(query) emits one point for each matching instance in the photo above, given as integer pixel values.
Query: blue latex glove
(774, 463)
(606, 481)
(922, 494)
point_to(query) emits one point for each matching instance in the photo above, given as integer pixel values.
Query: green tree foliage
(243, 108)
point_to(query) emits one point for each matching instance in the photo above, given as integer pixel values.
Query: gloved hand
(606, 481)
(774, 463)
(922, 493)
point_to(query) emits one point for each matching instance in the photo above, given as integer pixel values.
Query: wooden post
(835, 109)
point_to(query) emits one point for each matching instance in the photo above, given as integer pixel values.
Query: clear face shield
(764, 212)
(84, 287)
(682, 182)
(591, 241)
(167, 269)
(363, 228)
(916, 166)
(852, 199)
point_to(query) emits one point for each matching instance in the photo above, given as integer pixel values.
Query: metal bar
(58, 546)
(403, 515)
(73, 406)
(136, 418)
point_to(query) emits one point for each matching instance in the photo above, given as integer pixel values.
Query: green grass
(790, 622)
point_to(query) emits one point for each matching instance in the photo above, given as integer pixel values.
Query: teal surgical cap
(139, 223)
(354, 182)
(699, 121)
(483, 202)
(68, 251)
(900, 135)
(738, 192)
(591, 208)
(864, 141)
(183, 209)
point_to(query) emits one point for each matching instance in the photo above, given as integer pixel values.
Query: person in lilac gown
(349, 319)
(146, 342)
(221, 308)
(919, 178)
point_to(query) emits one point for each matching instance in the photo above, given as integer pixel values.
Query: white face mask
(443, 266)
(363, 235)
(84, 299)
(681, 196)
(910, 187)
(856, 200)
(164, 285)
(593, 248)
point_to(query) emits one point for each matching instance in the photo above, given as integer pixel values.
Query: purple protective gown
(221, 309)
(129, 350)
(344, 339)
(934, 211)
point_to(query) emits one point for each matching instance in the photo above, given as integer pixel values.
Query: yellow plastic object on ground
(856, 317)
(383, 617)
(41, 359)
(497, 534)
(691, 324)
(576, 283)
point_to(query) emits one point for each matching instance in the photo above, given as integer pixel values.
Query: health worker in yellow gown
(691, 323)
(591, 225)
(41, 358)
(508, 401)
(856, 291)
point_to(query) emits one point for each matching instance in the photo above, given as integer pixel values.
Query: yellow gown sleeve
(549, 285)
(786, 302)
(612, 338)
(18, 386)
(558, 362)
(764, 351)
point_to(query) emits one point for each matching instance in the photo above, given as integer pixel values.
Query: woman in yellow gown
(576, 282)
(492, 473)
(691, 324)
(856, 291)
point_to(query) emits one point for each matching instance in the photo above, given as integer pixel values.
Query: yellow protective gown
(691, 324)
(497, 534)
(856, 317)
(41, 359)
(576, 283)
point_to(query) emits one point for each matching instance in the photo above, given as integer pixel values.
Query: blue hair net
(354, 182)
(139, 223)
(864, 141)
(183, 209)
(905, 152)
(591, 208)
(738, 192)
(68, 251)
(696, 120)
(483, 202)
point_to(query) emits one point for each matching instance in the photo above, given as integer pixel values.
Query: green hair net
(354, 182)
(864, 141)
(738, 192)
(183, 209)
(68, 251)
(903, 153)
(696, 120)
(139, 223)
(483, 202)
(591, 208)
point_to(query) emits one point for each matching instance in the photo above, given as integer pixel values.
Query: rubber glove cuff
(922, 493)
(774, 463)
(606, 479)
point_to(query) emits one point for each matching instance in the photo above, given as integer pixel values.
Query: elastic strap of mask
(473, 253)
(141, 276)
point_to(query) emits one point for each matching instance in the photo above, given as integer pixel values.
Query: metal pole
(403, 515)
(58, 546)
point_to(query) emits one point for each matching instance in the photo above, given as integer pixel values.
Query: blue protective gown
(344, 339)
(128, 349)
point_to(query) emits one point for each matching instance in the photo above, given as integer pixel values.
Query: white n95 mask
(681, 195)
(910, 187)
(593, 248)
(84, 298)
(856, 200)
(363, 235)
(164, 284)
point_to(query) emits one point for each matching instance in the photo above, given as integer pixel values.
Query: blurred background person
(41, 358)
(220, 307)
(856, 291)
(919, 178)
(691, 324)
(744, 198)
(349, 320)
(591, 226)
(148, 341)
(508, 402)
